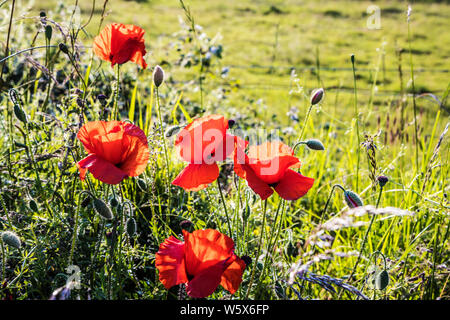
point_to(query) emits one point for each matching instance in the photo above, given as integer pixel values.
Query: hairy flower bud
(102, 209)
(158, 76)
(317, 96)
(315, 144)
(131, 227)
(352, 199)
(11, 239)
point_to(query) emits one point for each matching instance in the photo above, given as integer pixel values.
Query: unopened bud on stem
(317, 96)
(158, 76)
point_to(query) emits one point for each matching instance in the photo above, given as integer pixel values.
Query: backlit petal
(293, 185)
(169, 261)
(196, 176)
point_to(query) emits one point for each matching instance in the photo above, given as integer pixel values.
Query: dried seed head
(317, 96)
(315, 144)
(11, 239)
(352, 199)
(158, 76)
(102, 209)
(382, 180)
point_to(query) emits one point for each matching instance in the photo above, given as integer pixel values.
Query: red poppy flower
(202, 143)
(115, 150)
(203, 261)
(267, 167)
(119, 43)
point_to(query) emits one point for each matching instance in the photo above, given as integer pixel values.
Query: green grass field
(256, 62)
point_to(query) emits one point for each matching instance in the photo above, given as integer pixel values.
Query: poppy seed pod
(102, 209)
(352, 199)
(11, 239)
(317, 96)
(315, 144)
(158, 76)
(382, 180)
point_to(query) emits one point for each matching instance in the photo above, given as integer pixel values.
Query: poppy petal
(169, 261)
(135, 160)
(202, 137)
(293, 185)
(206, 282)
(102, 170)
(232, 277)
(206, 248)
(196, 176)
(260, 187)
(270, 160)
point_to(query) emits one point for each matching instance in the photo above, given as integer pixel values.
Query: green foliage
(237, 64)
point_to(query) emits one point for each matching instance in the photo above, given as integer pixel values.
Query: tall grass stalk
(357, 122)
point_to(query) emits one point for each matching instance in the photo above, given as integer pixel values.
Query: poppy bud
(141, 184)
(102, 209)
(171, 130)
(11, 239)
(247, 260)
(231, 123)
(102, 99)
(85, 202)
(113, 202)
(315, 144)
(63, 48)
(317, 96)
(381, 280)
(48, 32)
(33, 205)
(131, 227)
(352, 58)
(158, 76)
(186, 225)
(42, 14)
(382, 180)
(20, 114)
(352, 199)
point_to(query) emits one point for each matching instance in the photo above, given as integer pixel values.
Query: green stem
(414, 99)
(116, 95)
(304, 123)
(75, 228)
(166, 157)
(357, 124)
(259, 250)
(224, 207)
(365, 239)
